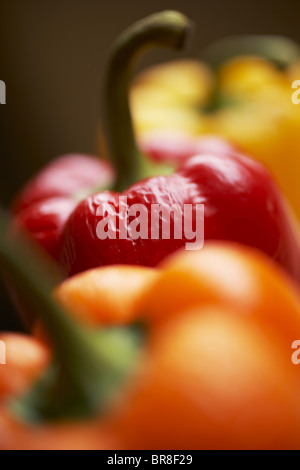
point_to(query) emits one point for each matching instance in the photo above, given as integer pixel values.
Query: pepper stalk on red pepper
(241, 201)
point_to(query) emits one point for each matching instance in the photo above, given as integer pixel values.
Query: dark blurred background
(52, 57)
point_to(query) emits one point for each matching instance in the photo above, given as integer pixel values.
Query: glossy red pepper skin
(241, 203)
(64, 177)
(174, 147)
(43, 206)
(45, 221)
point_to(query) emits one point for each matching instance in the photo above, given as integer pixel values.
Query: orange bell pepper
(194, 354)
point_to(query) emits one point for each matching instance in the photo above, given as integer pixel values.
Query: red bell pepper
(174, 147)
(45, 203)
(242, 203)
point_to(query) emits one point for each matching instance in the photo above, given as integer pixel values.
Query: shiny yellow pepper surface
(245, 98)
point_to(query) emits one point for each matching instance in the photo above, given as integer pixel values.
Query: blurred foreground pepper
(196, 356)
(241, 90)
(43, 206)
(241, 202)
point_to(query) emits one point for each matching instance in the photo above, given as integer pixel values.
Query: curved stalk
(88, 365)
(168, 29)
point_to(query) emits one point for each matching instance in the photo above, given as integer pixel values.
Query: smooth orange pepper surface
(215, 370)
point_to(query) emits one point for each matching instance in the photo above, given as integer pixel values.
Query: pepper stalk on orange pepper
(198, 355)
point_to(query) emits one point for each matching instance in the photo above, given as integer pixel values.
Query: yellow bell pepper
(247, 100)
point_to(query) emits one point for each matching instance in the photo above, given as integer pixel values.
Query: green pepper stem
(88, 365)
(279, 50)
(169, 29)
